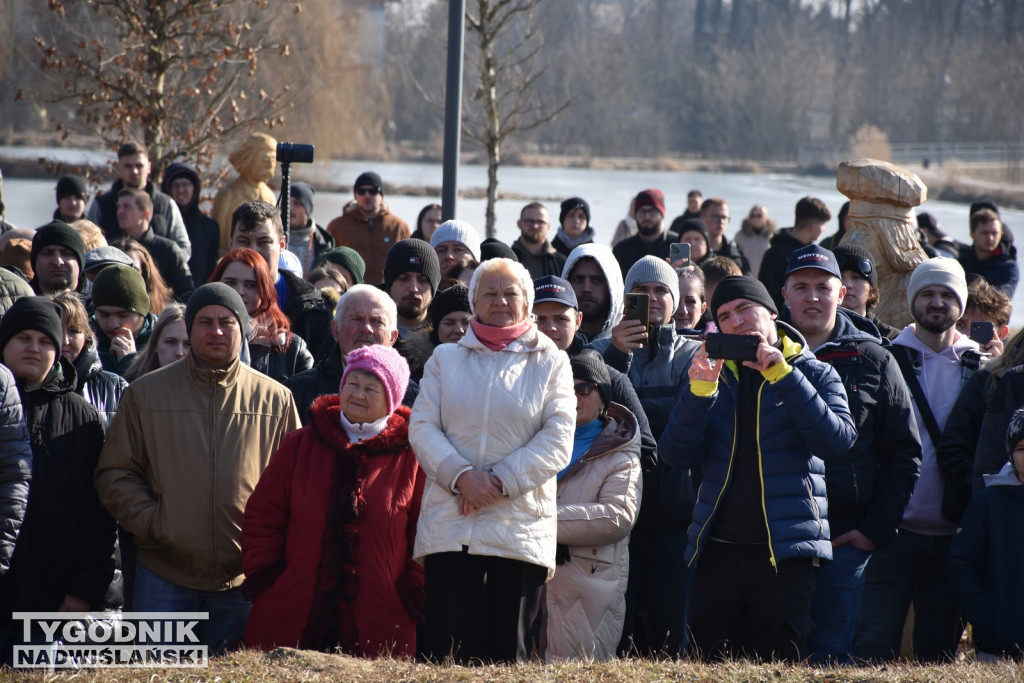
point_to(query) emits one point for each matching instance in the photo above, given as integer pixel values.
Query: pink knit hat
(384, 363)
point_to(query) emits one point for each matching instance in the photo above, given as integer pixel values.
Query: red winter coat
(327, 540)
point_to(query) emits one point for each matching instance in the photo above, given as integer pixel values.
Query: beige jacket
(598, 501)
(181, 458)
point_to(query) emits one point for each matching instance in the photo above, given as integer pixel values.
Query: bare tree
(510, 65)
(182, 74)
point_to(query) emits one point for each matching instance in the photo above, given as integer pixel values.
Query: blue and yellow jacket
(803, 418)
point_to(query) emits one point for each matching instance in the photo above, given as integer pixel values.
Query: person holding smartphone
(757, 431)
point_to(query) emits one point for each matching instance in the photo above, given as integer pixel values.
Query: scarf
(497, 338)
(582, 441)
(586, 237)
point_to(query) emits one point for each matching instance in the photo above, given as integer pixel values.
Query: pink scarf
(497, 338)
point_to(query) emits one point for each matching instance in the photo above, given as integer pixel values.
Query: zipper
(856, 485)
(760, 471)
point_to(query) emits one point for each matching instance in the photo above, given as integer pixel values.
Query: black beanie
(853, 257)
(569, 205)
(215, 294)
(589, 365)
(71, 185)
(696, 225)
(412, 256)
(1014, 431)
(495, 248)
(369, 179)
(33, 313)
(58, 233)
(121, 287)
(741, 287)
(303, 193)
(455, 298)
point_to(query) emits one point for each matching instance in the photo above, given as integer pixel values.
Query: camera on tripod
(290, 152)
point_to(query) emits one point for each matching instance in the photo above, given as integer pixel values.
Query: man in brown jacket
(182, 456)
(368, 226)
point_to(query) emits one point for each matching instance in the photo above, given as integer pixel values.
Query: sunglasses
(367, 190)
(585, 388)
(755, 215)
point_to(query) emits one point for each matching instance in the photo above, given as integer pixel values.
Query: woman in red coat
(328, 533)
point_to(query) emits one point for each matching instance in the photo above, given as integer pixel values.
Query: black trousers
(480, 607)
(744, 607)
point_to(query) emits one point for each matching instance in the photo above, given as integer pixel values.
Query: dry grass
(293, 665)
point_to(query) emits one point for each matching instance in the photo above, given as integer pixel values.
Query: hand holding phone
(739, 347)
(982, 331)
(679, 255)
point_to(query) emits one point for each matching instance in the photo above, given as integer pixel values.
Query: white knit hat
(457, 231)
(938, 271)
(654, 269)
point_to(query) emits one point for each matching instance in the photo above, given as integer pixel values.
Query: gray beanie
(457, 231)
(216, 294)
(654, 269)
(938, 271)
(303, 193)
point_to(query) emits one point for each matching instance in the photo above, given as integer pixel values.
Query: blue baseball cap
(554, 288)
(813, 256)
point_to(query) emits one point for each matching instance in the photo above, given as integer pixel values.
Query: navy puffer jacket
(15, 467)
(803, 418)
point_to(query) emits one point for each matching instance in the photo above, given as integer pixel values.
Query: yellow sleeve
(701, 388)
(776, 372)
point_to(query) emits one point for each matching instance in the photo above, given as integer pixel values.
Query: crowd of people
(392, 442)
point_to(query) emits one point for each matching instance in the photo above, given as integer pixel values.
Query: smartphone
(638, 307)
(983, 331)
(732, 346)
(679, 255)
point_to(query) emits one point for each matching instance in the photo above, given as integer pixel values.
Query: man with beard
(133, 168)
(411, 274)
(594, 274)
(57, 256)
(936, 361)
(533, 248)
(651, 238)
(714, 213)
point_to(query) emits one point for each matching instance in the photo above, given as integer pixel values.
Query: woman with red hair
(273, 349)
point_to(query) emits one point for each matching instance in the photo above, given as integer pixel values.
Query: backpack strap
(909, 363)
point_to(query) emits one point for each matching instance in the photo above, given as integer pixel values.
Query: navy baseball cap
(813, 256)
(554, 288)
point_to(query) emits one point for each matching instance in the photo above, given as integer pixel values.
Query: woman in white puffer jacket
(598, 500)
(491, 428)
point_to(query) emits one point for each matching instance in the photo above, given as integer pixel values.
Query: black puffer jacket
(991, 454)
(15, 468)
(325, 378)
(100, 388)
(309, 313)
(67, 545)
(281, 366)
(203, 232)
(869, 485)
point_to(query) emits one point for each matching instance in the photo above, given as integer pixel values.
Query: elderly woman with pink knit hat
(328, 533)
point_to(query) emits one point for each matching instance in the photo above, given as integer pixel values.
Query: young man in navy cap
(758, 431)
(869, 486)
(368, 226)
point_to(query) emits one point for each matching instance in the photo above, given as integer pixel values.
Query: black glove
(562, 554)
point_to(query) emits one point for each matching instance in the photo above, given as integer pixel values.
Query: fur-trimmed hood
(325, 418)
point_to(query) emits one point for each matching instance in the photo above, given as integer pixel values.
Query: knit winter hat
(457, 231)
(213, 294)
(655, 198)
(455, 298)
(554, 288)
(384, 363)
(588, 365)
(60, 234)
(653, 269)
(492, 247)
(71, 186)
(411, 256)
(857, 259)
(303, 193)
(33, 313)
(571, 204)
(106, 256)
(938, 271)
(349, 259)
(741, 287)
(121, 287)
(695, 225)
(369, 179)
(1015, 430)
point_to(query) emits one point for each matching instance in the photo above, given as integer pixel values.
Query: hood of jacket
(793, 346)
(57, 383)
(850, 327)
(530, 341)
(88, 365)
(177, 170)
(612, 274)
(620, 431)
(325, 418)
(1007, 476)
(352, 209)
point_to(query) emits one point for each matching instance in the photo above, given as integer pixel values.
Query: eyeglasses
(367, 190)
(585, 388)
